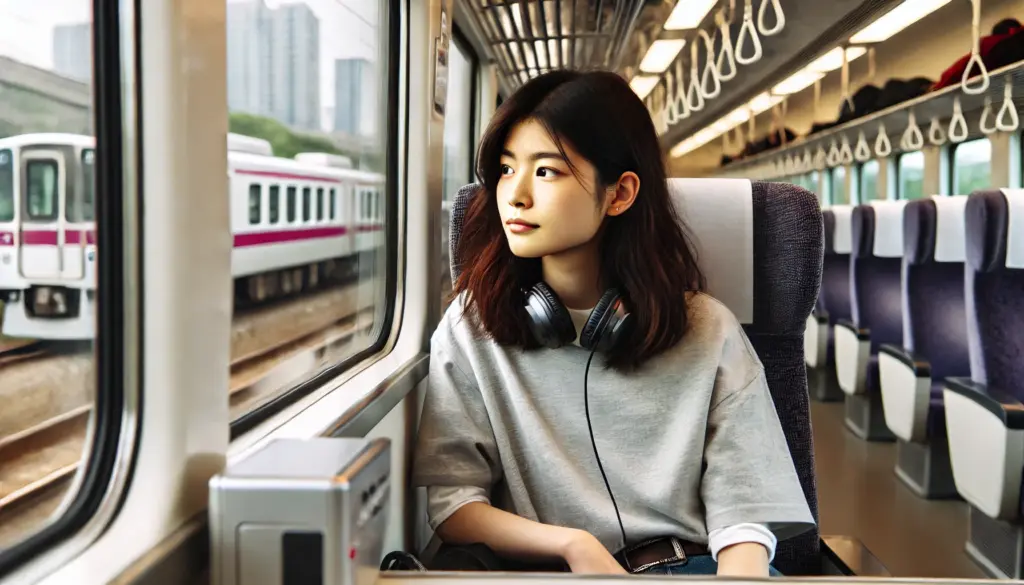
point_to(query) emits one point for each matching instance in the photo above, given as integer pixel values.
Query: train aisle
(860, 496)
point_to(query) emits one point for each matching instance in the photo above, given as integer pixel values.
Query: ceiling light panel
(643, 84)
(896, 20)
(688, 14)
(661, 55)
(834, 59)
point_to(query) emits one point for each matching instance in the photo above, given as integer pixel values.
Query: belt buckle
(677, 548)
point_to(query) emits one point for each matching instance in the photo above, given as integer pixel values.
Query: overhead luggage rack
(948, 115)
(528, 37)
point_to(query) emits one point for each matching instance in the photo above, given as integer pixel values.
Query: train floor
(860, 496)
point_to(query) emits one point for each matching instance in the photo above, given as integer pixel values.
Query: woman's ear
(623, 193)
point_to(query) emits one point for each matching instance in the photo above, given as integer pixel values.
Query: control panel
(302, 512)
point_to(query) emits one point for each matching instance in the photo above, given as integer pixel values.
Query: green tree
(285, 142)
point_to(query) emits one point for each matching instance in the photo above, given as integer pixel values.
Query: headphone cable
(590, 428)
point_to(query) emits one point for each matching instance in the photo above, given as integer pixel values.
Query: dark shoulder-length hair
(644, 252)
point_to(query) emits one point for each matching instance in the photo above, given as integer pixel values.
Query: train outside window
(868, 181)
(840, 196)
(307, 89)
(972, 168)
(47, 264)
(910, 170)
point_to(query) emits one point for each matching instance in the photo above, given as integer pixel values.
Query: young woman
(670, 459)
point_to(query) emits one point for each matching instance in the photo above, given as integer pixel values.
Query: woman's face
(546, 209)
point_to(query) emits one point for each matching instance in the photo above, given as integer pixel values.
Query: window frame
(110, 458)
(397, 122)
(462, 42)
(954, 171)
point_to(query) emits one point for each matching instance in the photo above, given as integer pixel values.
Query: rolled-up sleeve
(443, 501)
(749, 474)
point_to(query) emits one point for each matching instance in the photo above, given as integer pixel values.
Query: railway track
(38, 464)
(22, 350)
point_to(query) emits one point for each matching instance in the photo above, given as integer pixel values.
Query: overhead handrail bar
(710, 69)
(726, 52)
(883, 147)
(936, 133)
(862, 152)
(1008, 110)
(986, 113)
(957, 124)
(780, 18)
(749, 29)
(975, 54)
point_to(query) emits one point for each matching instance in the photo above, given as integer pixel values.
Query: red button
(352, 553)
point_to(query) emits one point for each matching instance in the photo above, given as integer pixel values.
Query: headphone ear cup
(601, 322)
(549, 320)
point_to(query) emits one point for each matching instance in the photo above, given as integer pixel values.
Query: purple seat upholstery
(985, 412)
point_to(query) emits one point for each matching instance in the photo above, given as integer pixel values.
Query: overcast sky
(347, 29)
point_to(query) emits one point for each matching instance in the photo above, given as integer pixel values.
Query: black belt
(657, 552)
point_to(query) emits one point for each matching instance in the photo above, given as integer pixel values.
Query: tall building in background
(354, 97)
(274, 62)
(72, 51)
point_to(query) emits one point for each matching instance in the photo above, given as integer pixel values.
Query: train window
(868, 184)
(972, 167)
(317, 78)
(41, 177)
(291, 211)
(88, 212)
(255, 194)
(910, 172)
(62, 366)
(6, 186)
(838, 190)
(275, 204)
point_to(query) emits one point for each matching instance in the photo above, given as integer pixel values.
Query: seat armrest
(1005, 407)
(821, 316)
(852, 352)
(861, 333)
(915, 363)
(985, 433)
(846, 556)
(905, 381)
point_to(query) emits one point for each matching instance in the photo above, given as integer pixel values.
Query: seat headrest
(878, 229)
(995, 229)
(759, 245)
(719, 215)
(933, 230)
(838, 229)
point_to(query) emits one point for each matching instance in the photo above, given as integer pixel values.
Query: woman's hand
(585, 554)
(746, 559)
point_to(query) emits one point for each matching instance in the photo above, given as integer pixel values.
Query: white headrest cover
(950, 239)
(888, 228)
(842, 234)
(719, 214)
(1014, 227)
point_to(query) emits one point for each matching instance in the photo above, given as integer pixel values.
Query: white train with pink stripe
(296, 224)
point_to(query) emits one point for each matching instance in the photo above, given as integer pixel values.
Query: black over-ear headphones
(607, 325)
(552, 325)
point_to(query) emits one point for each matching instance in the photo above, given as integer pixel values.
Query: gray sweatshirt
(690, 443)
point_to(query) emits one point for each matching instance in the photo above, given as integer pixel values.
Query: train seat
(833, 304)
(767, 271)
(985, 413)
(876, 314)
(934, 343)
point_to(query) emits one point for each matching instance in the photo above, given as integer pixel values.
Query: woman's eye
(505, 169)
(550, 172)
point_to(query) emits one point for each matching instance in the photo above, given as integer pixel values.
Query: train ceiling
(527, 37)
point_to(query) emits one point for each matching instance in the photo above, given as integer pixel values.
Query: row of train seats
(919, 328)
